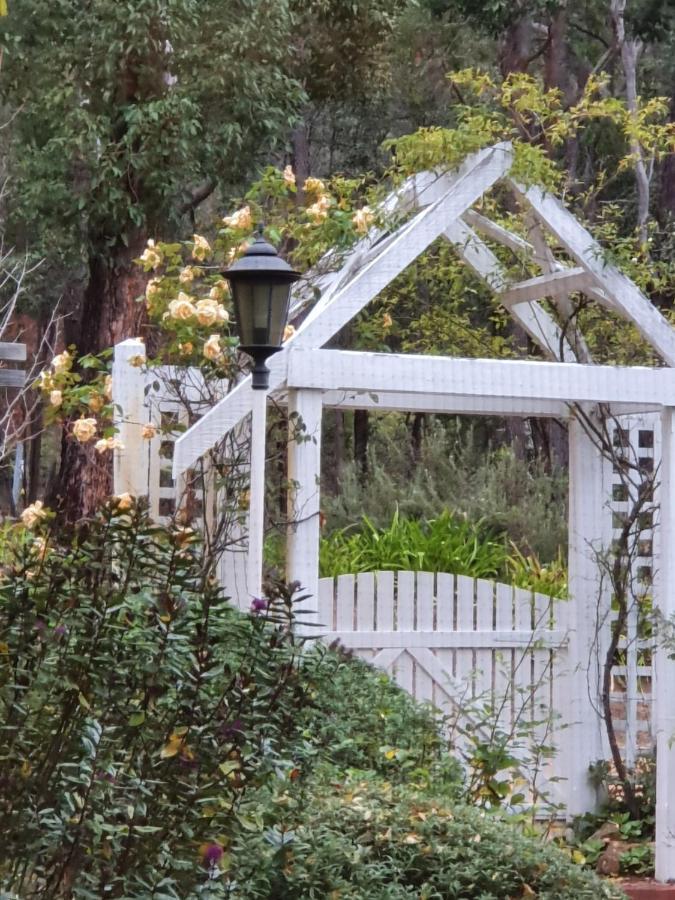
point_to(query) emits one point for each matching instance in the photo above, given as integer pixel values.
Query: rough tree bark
(630, 50)
(110, 314)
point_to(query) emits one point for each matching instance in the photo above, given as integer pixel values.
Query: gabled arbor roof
(440, 204)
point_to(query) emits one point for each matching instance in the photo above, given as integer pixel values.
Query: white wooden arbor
(308, 378)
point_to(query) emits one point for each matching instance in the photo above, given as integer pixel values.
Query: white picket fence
(475, 649)
(447, 637)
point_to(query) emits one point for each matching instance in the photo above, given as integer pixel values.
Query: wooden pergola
(307, 378)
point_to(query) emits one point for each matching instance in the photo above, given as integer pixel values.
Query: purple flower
(231, 730)
(60, 631)
(258, 605)
(211, 854)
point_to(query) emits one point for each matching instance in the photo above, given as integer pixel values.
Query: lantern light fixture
(261, 282)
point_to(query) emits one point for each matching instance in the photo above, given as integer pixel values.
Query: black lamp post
(261, 289)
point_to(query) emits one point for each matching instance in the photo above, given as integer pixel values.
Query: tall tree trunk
(110, 314)
(630, 50)
(515, 50)
(667, 181)
(361, 438)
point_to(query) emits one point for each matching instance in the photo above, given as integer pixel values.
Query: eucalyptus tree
(126, 116)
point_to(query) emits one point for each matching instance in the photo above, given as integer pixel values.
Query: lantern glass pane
(280, 295)
(261, 309)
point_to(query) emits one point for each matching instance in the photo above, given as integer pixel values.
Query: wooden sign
(10, 377)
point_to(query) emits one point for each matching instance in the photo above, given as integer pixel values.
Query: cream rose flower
(314, 186)
(363, 219)
(137, 361)
(319, 211)
(45, 381)
(182, 308)
(152, 289)
(148, 432)
(289, 176)
(242, 218)
(152, 256)
(33, 514)
(108, 387)
(186, 348)
(209, 312)
(219, 291)
(289, 331)
(124, 501)
(200, 247)
(186, 275)
(212, 349)
(62, 362)
(96, 403)
(55, 398)
(110, 443)
(84, 430)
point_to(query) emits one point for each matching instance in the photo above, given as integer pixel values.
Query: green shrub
(138, 708)
(367, 839)
(358, 718)
(448, 543)
(445, 544)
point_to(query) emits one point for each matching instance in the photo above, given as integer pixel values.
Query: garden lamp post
(261, 288)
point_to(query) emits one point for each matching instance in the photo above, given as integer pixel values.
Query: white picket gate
(450, 640)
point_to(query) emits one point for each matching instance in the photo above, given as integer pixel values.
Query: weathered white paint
(589, 535)
(131, 465)
(403, 401)
(587, 252)
(256, 513)
(359, 371)
(557, 284)
(304, 472)
(664, 597)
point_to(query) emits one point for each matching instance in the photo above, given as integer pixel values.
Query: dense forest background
(122, 122)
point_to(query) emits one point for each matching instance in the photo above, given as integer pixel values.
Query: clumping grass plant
(447, 543)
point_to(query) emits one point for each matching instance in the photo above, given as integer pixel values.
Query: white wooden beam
(131, 464)
(256, 510)
(664, 674)
(354, 371)
(498, 233)
(478, 173)
(304, 500)
(557, 284)
(416, 192)
(589, 536)
(405, 401)
(579, 243)
(530, 315)
(436, 640)
(544, 258)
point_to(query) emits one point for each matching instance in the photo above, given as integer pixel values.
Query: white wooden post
(664, 674)
(304, 496)
(589, 617)
(130, 465)
(256, 515)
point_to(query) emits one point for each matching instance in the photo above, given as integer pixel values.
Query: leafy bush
(445, 544)
(448, 543)
(362, 837)
(138, 708)
(358, 718)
